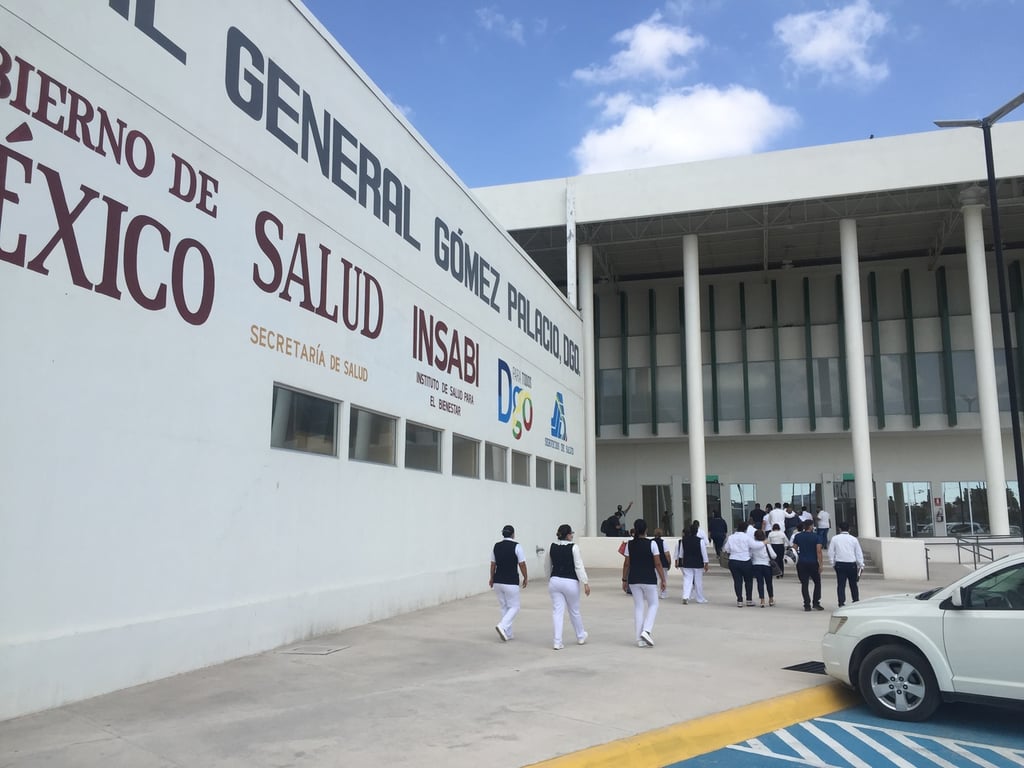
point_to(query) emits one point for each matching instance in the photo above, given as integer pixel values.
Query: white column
(856, 383)
(985, 365)
(694, 382)
(586, 266)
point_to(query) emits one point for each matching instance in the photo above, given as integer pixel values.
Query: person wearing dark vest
(506, 555)
(565, 568)
(642, 575)
(808, 564)
(719, 530)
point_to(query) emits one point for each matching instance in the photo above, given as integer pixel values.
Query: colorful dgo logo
(558, 427)
(514, 403)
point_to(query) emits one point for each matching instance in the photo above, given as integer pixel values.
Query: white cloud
(836, 43)
(493, 21)
(652, 49)
(683, 125)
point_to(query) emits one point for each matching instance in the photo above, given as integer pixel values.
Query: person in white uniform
(506, 555)
(564, 566)
(642, 575)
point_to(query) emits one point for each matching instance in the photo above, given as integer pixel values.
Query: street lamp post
(986, 124)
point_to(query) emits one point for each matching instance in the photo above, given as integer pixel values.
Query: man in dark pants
(808, 564)
(848, 559)
(718, 529)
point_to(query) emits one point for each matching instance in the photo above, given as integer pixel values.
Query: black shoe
(842, 604)
(818, 608)
(807, 607)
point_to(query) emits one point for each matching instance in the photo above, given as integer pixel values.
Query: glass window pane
(520, 468)
(371, 437)
(730, 392)
(610, 407)
(494, 462)
(827, 400)
(965, 381)
(302, 422)
(762, 390)
(560, 471)
(574, 479)
(794, 389)
(422, 447)
(543, 473)
(929, 382)
(742, 497)
(895, 384)
(465, 457)
(670, 394)
(639, 395)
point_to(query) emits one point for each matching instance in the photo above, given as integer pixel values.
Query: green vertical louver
(714, 359)
(652, 319)
(743, 348)
(948, 388)
(908, 326)
(809, 356)
(624, 357)
(775, 356)
(682, 360)
(876, 351)
(844, 386)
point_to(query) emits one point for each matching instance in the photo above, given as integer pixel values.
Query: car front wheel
(897, 682)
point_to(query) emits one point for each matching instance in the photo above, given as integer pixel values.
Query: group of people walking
(643, 576)
(755, 556)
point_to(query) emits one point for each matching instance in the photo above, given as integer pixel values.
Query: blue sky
(517, 91)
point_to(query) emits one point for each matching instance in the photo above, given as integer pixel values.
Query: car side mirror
(957, 598)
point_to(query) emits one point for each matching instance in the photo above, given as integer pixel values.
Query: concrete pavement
(438, 687)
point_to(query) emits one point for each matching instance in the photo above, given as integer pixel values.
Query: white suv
(908, 653)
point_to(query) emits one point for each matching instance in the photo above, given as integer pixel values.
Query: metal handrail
(978, 546)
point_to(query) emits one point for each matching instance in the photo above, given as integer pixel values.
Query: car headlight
(835, 624)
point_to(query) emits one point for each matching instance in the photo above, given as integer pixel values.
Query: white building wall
(147, 527)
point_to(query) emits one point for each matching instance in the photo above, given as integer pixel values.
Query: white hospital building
(267, 357)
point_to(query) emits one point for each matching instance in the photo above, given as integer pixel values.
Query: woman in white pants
(565, 568)
(642, 574)
(692, 554)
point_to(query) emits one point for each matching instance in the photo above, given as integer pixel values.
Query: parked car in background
(906, 654)
(966, 529)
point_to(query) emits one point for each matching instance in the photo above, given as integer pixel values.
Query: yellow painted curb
(682, 741)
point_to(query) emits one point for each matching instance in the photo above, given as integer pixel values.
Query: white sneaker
(558, 646)
(582, 639)
(645, 636)
(501, 632)
(641, 644)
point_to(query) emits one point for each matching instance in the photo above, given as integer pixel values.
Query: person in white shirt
(692, 558)
(776, 516)
(738, 546)
(566, 573)
(506, 556)
(824, 523)
(777, 541)
(641, 575)
(848, 560)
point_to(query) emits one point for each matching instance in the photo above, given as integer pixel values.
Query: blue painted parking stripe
(847, 741)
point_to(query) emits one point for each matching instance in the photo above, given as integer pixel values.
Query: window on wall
(574, 479)
(827, 398)
(495, 457)
(670, 394)
(371, 437)
(465, 457)
(520, 468)
(543, 473)
(761, 376)
(639, 395)
(910, 509)
(929, 382)
(302, 422)
(896, 384)
(742, 497)
(610, 410)
(794, 389)
(730, 392)
(560, 476)
(965, 382)
(422, 447)
(965, 505)
(801, 495)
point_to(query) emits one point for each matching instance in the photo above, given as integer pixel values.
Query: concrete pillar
(985, 364)
(694, 381)
(585, 260)
(856, 380)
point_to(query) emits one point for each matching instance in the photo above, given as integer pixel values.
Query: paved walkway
(437, 687)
